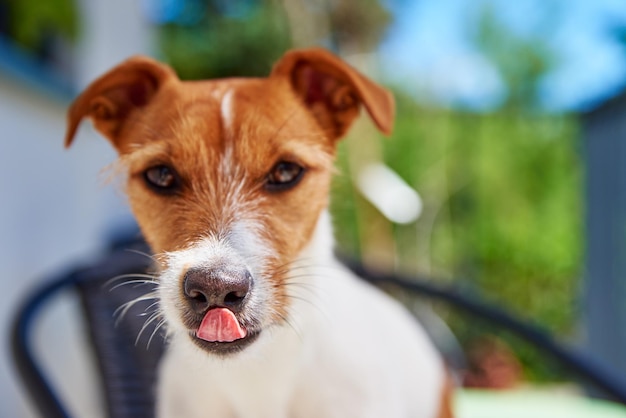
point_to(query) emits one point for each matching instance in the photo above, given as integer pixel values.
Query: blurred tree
(34, 24)
(217, 38)
(521, 61)
(346, 26)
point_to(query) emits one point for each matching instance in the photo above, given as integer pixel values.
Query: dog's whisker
(152, 305)
(298, 261)
(291, 325)
(135, 283)
(150, 309)
(158, 326)
(305, 275)
(306, 264)
(308, 285)
(311, 289)
(147, 277)
(143, 253)
(121, 310)
(318, 266)
(125, 306)
(146, 324)
(310, 281)
(301, 298)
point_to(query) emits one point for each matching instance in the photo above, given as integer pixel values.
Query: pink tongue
(220, 325)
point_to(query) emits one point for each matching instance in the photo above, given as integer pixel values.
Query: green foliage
(521, 61)
(32, 21)
(219, 45)
(502, 212)
(208, 41)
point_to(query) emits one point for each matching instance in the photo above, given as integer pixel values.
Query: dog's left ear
(111, 99)
(334, 91)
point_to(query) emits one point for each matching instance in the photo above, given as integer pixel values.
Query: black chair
(127, 366)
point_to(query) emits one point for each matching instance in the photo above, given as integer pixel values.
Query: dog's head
(227, 178)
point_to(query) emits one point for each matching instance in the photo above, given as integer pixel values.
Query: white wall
(54, 208)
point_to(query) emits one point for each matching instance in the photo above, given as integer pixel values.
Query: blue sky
(428, 47)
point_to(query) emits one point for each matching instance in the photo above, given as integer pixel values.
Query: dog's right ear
(334, 91)
(112, 98)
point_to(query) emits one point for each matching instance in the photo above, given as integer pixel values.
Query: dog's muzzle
(207, 288)
(216, 298)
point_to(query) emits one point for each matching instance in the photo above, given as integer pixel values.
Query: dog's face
(227, 179)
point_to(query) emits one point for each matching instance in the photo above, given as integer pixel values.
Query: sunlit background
(504, 177)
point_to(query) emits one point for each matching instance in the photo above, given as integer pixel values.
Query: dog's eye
(284, 175)
(161, 178)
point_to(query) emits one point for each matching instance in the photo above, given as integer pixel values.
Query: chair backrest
(128, 345)
(123, 333)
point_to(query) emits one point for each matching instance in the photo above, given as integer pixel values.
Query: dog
(229, 182)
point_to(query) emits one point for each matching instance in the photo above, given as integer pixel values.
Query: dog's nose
(207, 288)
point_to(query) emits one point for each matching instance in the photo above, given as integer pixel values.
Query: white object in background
(389, 193)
